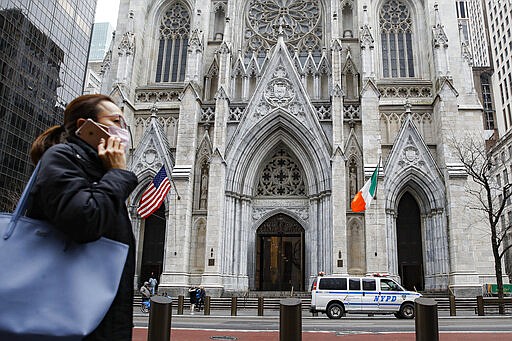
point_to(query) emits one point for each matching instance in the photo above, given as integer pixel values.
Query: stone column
(176, 262)
(371, 151)
(216, 225)
(463, 276)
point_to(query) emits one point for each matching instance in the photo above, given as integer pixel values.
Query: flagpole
(175, 189)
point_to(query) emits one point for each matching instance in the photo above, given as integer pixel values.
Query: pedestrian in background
(152, 283)
(81, 189)
(192, 292)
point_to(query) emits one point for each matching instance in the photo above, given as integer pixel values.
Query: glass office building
(43, 58)
(100, 42)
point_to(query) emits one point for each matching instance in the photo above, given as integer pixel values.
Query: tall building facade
(499, 17)
(100, 41)
(43, 54)
(270, 116)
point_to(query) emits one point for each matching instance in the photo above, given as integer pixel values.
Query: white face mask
(123, 134)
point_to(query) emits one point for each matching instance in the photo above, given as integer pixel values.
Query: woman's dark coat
(75, 193)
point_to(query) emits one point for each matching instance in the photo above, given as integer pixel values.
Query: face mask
(123, 134)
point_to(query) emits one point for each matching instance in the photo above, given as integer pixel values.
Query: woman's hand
(112, 153)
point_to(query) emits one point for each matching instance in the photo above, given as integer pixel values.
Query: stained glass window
(396, 40)
(172, 48)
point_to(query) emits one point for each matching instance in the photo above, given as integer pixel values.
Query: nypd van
(336, 295)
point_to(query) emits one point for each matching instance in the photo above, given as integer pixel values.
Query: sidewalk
(140, 334)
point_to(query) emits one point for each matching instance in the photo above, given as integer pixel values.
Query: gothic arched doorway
(153, 248)
(280, 254)
(409, 242)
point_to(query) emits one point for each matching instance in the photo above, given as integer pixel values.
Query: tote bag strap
(22, 204)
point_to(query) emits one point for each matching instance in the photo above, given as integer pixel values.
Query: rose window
(282, 176)
(294, 19)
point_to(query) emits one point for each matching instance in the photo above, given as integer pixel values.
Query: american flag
(155, 194)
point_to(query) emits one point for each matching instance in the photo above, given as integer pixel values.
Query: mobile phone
(91, 133)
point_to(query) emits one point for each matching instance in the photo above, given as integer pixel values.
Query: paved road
(350, 328)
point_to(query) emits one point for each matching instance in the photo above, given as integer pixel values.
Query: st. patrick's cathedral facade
(270, 115)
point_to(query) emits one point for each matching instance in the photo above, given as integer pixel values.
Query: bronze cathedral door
(280, 255)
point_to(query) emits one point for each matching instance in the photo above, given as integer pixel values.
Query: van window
(369, 284)
(333, 284)
(389, 285)
(354, 284)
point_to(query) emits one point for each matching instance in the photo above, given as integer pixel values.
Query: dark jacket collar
(86, 151)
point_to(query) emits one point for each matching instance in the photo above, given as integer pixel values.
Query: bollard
(159, 328)
(234, 301)
(426, 322)
(181, 303)
(290, 320)
(207, 305)
(453, 307)
(261, 302)
(480, 305)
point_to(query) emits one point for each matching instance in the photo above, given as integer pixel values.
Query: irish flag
(363, 198)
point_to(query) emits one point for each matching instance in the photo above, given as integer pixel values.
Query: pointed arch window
(219, 19)
(172, 49)
(396, 28)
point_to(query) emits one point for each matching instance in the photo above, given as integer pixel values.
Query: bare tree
(491, 196)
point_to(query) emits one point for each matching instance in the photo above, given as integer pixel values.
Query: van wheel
(407, 311)
(335, 311)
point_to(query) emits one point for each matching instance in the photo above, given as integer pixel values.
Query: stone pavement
(140, 334)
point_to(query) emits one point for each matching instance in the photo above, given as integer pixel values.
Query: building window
(396, 40)
(487, 102)
(172, 49)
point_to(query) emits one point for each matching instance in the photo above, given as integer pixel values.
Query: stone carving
(156, 95)
(107, 61)
(351, 112)
(279, 93)
(207, 114)
(410, 155)
(236, 114)
(175, 22)
(195, 42)
(366, 37)
(392, 121)
(149, 156)
(405, 91)
(337, 91)
(323, 112)
(294, 19)
(127, 44)
(439, 38)
(203, 196)
(259, 212)
(282, 176)
(280, 223)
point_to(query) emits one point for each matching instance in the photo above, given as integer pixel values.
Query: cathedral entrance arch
(280, 254)
(153, 246)
(409, 242)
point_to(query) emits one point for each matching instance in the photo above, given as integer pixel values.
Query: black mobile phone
(91, 133)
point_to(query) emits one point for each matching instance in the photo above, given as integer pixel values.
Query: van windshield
(389, 285)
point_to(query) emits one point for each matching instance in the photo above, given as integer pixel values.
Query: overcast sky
(106, 10)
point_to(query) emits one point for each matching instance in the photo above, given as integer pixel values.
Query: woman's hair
(86, 106)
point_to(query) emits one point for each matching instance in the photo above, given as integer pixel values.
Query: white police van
(336, 295)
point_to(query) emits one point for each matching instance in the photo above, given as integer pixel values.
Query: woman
(82, 191)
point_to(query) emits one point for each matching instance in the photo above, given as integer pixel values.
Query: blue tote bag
(53, 288)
